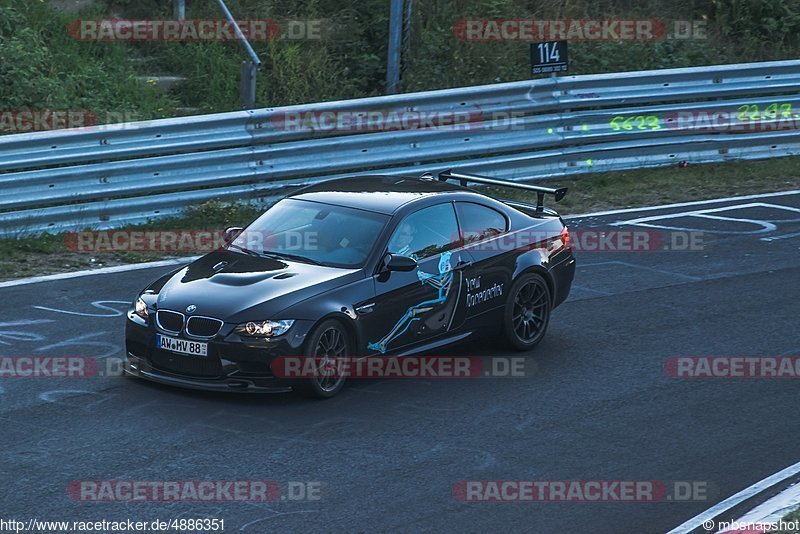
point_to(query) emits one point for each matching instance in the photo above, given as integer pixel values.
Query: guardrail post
(180, 9)
(395, 36)
(247, 89)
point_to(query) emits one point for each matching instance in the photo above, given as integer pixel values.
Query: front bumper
(233, 364)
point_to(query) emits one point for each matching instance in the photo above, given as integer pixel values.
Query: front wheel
(527, 312)
(329, 346)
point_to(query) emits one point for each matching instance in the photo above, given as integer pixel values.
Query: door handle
(366, 308)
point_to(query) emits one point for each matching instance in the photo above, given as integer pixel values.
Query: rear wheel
(527, 312)
(328, 345)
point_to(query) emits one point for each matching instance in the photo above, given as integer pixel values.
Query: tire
(328, 340)
(527, 312)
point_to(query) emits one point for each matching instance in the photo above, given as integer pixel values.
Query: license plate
(182, 346)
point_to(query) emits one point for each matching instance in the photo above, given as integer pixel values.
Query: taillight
(565, 238)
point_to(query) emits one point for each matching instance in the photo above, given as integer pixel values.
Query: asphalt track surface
(595, 404)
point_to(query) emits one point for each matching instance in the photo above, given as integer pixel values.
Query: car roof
(383, 194)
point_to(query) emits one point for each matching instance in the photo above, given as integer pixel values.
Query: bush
(43, 68)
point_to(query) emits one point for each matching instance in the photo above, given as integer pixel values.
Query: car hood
(238, 287)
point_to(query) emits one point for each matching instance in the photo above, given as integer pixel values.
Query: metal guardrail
(108, 176)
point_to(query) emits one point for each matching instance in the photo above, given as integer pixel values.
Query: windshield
(314, 232)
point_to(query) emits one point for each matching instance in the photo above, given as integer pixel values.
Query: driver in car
(402, 239)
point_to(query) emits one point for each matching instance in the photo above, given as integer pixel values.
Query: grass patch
(43, 68)
(50, 253)
(790, 518)
(593, 192)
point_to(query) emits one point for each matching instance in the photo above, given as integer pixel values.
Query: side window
(479, 222)
(426, 232)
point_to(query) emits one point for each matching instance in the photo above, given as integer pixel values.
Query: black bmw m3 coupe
(376, 266)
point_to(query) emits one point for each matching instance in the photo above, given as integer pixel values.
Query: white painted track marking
(730, 502)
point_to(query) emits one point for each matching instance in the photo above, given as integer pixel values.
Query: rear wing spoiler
(540, 191)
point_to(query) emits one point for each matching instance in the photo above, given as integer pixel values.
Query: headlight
(140, 308)
(264, 328)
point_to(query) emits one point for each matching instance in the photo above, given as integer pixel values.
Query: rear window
(426, 232)
(479, 222)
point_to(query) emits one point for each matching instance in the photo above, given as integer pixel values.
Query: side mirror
(230, 234)
(397, 262)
